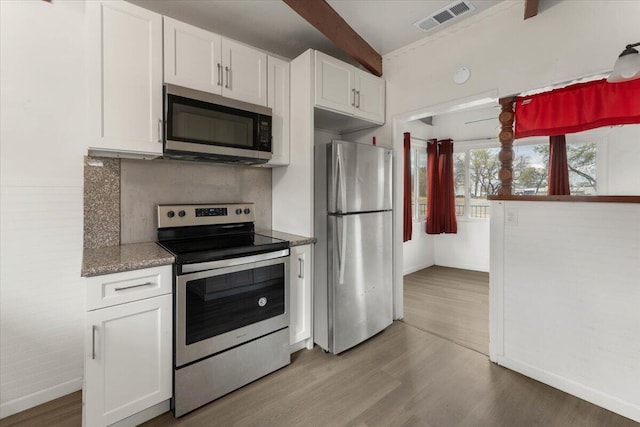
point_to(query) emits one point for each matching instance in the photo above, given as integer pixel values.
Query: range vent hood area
(339, 123)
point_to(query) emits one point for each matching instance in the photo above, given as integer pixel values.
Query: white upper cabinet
(370, 96)
(278, 100)
(202, 60)
(245, 73)
(343, 88)
(125, 78)
(192, 57)
(334, 84)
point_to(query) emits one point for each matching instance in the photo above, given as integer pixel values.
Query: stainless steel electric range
(231, 300)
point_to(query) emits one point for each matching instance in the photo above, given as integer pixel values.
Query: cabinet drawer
(119, 288)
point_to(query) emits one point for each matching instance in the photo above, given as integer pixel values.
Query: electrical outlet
(511, 216)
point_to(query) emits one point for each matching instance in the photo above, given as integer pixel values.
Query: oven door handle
(210, 265)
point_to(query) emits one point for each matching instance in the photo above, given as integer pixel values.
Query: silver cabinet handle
(219, 74)
(353, 97)
(358, 103)
(226, 69)
(93, 342)
(133, 286)
(300, 268)
(159, 130)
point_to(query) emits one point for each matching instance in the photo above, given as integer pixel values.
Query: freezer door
(360, 278)
(359, 177)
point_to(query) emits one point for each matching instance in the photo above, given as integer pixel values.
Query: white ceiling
(272, 26)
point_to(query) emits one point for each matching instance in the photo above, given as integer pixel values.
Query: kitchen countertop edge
(128, 257)
(293, 239)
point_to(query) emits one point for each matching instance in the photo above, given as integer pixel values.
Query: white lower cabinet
(128, 355)
(300, 298)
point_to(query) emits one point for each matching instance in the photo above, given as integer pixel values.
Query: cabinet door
(244, 73)
(334, 84)
(128, 364)
(300, 306)
(192, 57)
(278, 101)
(125, 77)
(370, 96)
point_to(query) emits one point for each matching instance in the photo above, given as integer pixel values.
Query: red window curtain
(578, 108)
(433, 210)
(447, 197)
(558, 167)
(408, 215)
(441, 202)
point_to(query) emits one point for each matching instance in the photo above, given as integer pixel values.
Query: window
(531, 168)
(476, 177)
(418, 181)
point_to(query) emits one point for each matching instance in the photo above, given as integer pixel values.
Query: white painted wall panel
(468, 249)
(42, 143)
(42, 294)
(571, 290)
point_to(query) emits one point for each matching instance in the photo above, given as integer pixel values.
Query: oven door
(223, 307)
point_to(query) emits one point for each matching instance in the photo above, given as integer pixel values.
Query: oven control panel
(204, 214)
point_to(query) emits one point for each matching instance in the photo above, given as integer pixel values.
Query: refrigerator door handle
(342, 247)
(342, 189)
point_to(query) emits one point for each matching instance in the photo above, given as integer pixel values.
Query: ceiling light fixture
(627, 66)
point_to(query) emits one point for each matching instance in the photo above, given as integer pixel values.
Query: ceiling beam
(322, 16)
(531, 8)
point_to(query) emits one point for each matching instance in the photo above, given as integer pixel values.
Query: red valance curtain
(408, 216)
(441, 204)
(578, 108)
(558, 167)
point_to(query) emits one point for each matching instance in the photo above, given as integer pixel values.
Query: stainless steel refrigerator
(353, 293)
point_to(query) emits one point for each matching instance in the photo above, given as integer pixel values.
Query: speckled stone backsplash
(101, 202)
(145, 184)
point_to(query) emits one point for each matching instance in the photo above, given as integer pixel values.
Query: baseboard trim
(484, 269)
(574, 388)
(38, 398)
(415, 268)
(144, 416)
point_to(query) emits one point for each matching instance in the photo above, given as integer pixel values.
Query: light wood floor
(401, 377)
(450, 303)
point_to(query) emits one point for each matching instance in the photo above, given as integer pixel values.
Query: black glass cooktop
(212, 248)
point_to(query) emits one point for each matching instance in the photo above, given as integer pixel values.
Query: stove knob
(247, 211)
(171, 214)
(238, 211)
(181, 214)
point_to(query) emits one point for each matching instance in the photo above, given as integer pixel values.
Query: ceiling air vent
(444, 15)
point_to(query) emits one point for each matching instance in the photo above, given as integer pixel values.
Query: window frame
(418, 146)
(465, 147)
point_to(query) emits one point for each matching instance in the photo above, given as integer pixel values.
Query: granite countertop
(115, 259)
(294, 240)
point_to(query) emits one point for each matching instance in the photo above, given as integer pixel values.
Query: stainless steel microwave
(206, 126)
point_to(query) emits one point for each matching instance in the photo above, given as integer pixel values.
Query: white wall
(623, 160)
(565, 295)
(468, 249)
(42, 80)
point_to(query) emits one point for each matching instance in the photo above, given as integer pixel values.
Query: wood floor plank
(450, 303)
(401, 377)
